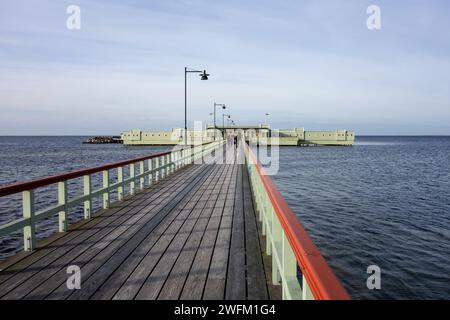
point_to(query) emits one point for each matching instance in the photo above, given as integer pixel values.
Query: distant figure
(235, 141)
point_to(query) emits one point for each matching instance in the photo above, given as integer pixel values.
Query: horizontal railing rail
(159, 166)
(297, 263)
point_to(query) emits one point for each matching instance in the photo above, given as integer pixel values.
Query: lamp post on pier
(223, 108)
(223, 119)
(204, 76)
(267, 117)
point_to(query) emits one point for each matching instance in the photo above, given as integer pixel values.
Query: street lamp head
(204, 75)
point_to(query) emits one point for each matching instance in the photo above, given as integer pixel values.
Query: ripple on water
(385, 201)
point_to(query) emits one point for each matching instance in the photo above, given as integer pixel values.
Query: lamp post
(223, 108)
(223, 119)
(204, 76)
(267, 116)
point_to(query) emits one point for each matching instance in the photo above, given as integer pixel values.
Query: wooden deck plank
(236, 283)
(114, 259)
(110, 287)
(177, 277)
(216, 281)
(256, 287)
(196, 280)
(193, 235)
(154, 283)
(95, 243)
(133, 283)
(61, 239)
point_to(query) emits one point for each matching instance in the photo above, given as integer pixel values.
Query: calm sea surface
(384, 202)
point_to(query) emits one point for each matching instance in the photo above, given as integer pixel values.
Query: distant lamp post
(203, 76)
(215, 106)
(267, 117)
(223, 119)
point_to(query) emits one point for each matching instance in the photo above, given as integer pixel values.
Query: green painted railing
(158, 167)
(297, 264)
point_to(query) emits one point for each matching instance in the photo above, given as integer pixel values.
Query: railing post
(132, 176)
(276, 241)
(150, 173)
(120, 181)
(62, 200)
(269, 219)
(168, 165)
(175, 160)
(141, 173)
(290, 287)
(29, 234)
(87, 189)
(162, 160)
(157, 169)
(106, 186)
(306, 291)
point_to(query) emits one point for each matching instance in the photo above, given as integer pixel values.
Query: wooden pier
(195, 234)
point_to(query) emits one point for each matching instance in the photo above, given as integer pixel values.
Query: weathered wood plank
(236, 282)
(132, 285)
(94, 245)
(193, 235)
(176, 279)
(256, 286)
(62, 239)
(195, 282)
(155, 281)
(114, 260)
(215, 284)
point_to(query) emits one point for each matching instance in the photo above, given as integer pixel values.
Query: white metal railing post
(269, 218)
(290, 287)
(29, 232)
(162, 168)
(150, 173)
(168, 164)
(157, 169)
(141, 175)
(174, 161)
(306, 291)
(132, 177)
(276, 234)
(87, 189)
(106, 186)
(62, 200)
(120, 194)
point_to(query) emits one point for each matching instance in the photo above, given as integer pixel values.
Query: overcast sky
(311, 64)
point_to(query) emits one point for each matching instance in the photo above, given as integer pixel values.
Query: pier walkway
(195, 234)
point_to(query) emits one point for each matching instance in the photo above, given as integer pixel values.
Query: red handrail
(321, 279)
(19, 187)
